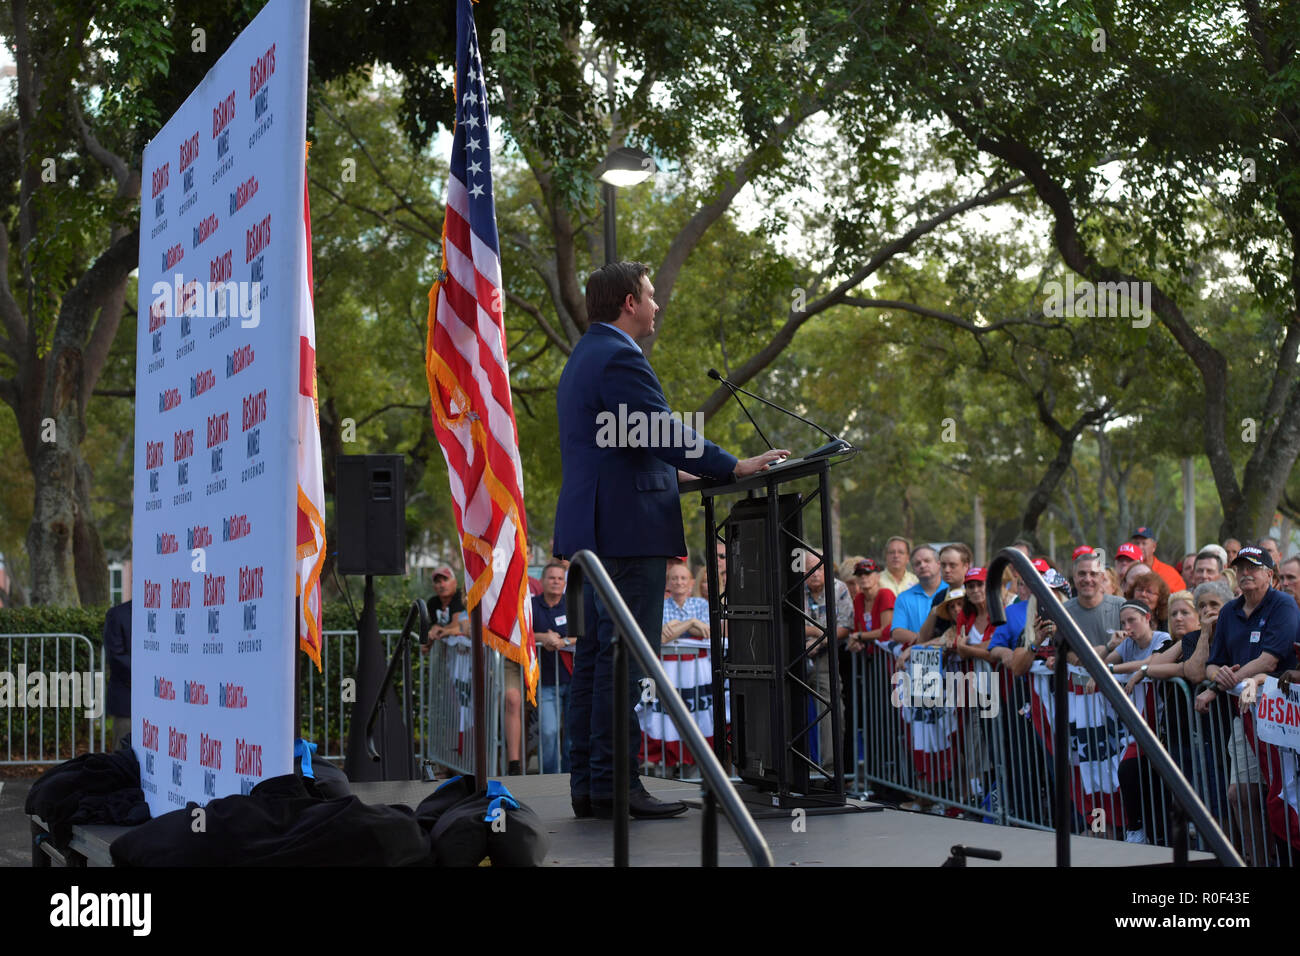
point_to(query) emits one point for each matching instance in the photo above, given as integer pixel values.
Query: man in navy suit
(117, 650)
(621, 456)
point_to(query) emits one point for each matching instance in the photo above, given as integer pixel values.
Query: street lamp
(624, 166)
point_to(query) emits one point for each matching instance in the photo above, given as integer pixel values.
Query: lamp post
(624, 166)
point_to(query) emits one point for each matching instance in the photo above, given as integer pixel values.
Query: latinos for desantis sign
(1277, 714)
(216, 426)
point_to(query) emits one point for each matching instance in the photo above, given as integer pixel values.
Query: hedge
(52, 620)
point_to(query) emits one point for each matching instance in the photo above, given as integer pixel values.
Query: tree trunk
(88, 556)
(54, 519)
(1103, 469)
(1042, 494)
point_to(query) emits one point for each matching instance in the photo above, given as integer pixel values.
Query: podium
(776, 710)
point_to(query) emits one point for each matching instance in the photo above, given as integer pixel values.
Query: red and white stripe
(311, 476)
(473, 417)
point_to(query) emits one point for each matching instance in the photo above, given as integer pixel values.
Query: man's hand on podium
(749, 466)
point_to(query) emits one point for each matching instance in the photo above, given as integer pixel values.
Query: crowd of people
(1220, 619)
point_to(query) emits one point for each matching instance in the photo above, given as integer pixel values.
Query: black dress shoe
(581, 806)
(640, 805)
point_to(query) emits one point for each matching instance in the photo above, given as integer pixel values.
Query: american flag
(469, 377)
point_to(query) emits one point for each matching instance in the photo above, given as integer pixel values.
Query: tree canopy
(870, 211)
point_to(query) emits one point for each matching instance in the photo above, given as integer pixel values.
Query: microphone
(834, 446)
(713, 373)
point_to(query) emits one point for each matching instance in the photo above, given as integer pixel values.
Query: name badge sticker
(561, 619)
(1254, 637)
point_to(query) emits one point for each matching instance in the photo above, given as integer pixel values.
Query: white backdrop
(213, 637)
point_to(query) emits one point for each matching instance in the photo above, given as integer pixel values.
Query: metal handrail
(718, 787)
(1124, 707)
(419, 613)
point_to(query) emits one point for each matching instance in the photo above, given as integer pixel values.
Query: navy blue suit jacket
(615, 499)
(117, 648)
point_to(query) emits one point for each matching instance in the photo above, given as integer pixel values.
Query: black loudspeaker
(370, 511)
(764, 638)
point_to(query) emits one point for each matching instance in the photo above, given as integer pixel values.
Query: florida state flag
(311, 478)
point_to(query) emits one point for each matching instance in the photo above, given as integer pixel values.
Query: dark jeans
(640, 581)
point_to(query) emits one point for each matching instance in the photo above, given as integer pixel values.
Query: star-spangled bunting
(469, 378)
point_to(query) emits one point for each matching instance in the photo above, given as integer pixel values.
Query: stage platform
(868, 835)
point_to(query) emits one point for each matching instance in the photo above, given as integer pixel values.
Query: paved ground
(15, 832)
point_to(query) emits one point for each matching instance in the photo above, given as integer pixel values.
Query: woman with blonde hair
(1110, 583)
(1188, 647)
(702, 583)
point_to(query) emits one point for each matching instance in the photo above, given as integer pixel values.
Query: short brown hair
(609, 286)
(961, 549)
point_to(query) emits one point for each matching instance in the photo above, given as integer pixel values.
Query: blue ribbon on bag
(498, 796)
(303, 749)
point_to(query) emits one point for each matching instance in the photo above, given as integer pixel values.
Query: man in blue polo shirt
(550, 628)
(1254, 634)
(912, 607)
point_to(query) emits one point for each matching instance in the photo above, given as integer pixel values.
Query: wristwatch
(1144, 669)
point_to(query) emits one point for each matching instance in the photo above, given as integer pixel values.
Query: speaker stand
(396, 745)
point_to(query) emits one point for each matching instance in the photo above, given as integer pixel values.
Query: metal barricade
(443, 718)
(327, 696)
(448, 716)
(688, 666)
(1276, 798)
(45, 680)
(929, 730)
(552, 718)
(999, 766)
(1258, 785)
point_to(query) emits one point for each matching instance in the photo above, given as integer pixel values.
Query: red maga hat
(1129, 550)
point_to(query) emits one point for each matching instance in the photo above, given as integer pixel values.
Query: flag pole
(297, 672)
(479, 679)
